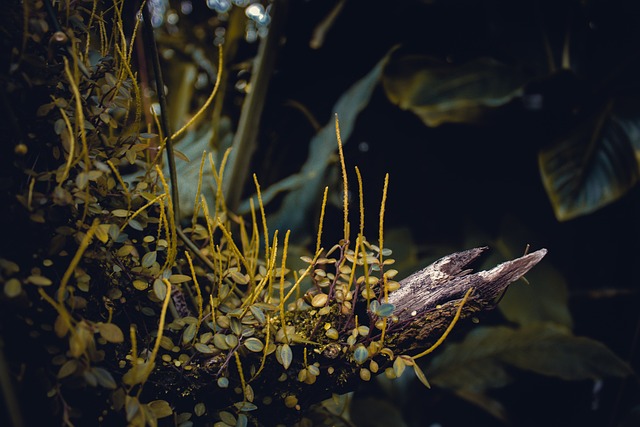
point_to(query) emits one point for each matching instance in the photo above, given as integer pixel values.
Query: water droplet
(241, 3)
(220, 6)
(363, 146)
(186, 7)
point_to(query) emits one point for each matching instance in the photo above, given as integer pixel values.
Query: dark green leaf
(286, 355)
(189, 333)
(439, 92)
(594, 165)
(478, 363)
(550, 351)
(360, 354)
(306, 189)
(105, 379)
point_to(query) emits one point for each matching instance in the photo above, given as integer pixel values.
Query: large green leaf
(305, 188)
(595, 164)
(478, 363)
(548, 350)
(474, 363)
(439, 92)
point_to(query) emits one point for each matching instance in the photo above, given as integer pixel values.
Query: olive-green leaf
(595, 164)
(305, 188)
(286, 355)
(110, 332)
(189, 333)
(258, 314)
(548, 350)
(439, 92)
(160, 408)
(254, 344)
(149, 258)
(105, 379)
(479, 361)
(203, 348)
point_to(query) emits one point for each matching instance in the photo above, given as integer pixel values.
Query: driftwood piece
(425, 305)
(427, 299)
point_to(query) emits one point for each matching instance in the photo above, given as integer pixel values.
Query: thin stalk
(152, 48)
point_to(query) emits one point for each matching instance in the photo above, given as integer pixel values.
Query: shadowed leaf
(478, 363)
(439, 92)
(305, 190)
(593, 166)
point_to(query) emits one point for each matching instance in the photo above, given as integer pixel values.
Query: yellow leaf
(39, 280)
(160, 408)
(110, 332)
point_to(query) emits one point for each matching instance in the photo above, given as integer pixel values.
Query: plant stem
(152, 48)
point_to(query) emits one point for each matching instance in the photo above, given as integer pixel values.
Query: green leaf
(478, 363)
(160, 408)
(243, 421)
(160, 289)
(548, 350)
(385, 309)
(110, 332)
(254, 344)
(189, 333)
(439, 92)
(286, 355)
(399, 366)
(258, 314)
(149, 258)
(420, 375)
(203, 348)
(306, 189)
(360, 354)
(595, 164)
(68, 368)
(105, 379)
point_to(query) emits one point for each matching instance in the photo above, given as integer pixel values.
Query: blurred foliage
(584, 166)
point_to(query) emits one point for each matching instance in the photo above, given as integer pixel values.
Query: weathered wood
(427, 299)
(425, 305)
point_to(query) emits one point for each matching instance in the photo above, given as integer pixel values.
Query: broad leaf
(594, 165)
(550, 351)
(307, 194)
(474, 363)
(439, 92)
(478, 363)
